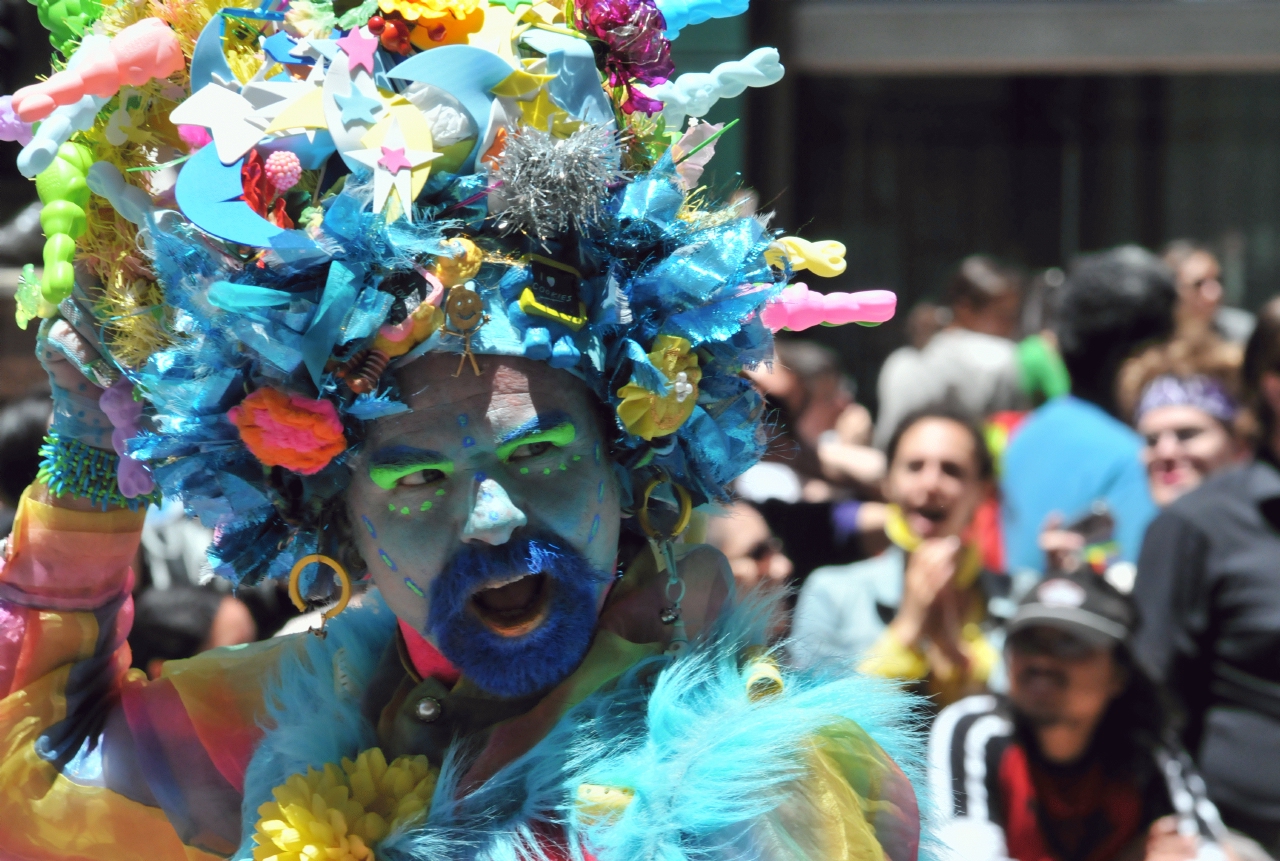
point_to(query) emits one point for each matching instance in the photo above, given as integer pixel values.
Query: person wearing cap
(1076, 763)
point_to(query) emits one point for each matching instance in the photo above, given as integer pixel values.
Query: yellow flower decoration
(648, 414)
(338, 814)
(412, 10)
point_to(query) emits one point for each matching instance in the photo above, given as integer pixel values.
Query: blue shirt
(1066, 455)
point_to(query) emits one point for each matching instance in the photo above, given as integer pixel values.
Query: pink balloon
(799, 308)
(137, 54)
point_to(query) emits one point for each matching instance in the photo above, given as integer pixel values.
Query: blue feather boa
(705, 763)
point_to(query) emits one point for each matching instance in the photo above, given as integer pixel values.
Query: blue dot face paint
(539, 453)
(413, 587)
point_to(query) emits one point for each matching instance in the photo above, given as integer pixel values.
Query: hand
(931, 567)
(1061, 546)
(854, 425)
(1164, 843)
(842, 462)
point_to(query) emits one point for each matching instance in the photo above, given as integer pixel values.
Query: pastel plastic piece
(64, 193)
(466, 73)
(106, 180)
(208, 62)
(138, 54)
(694, 94)
(824, 258)
(65, 121)
(684, 13)
(66, 20)
(798, 308)
(12, 128)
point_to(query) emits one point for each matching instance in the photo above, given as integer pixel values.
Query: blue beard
(516, 666)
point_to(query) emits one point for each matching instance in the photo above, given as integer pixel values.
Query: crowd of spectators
(1061, 530)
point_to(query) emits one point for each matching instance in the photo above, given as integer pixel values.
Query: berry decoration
(283, 169)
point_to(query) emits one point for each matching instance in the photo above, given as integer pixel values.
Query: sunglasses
(1051, 643)
(763, 550)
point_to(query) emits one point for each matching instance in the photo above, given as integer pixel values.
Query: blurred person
(1077, 762)
(756, 556)
(181, 622)
(971, 365)
(1184, 399)
(819, 484)
(1210, 596)
(23, 424)
(1073, 451)
(917, 611)
(1199, 281)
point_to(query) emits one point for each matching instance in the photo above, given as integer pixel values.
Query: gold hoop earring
(665, 558)
(295, 593)
(682, 521)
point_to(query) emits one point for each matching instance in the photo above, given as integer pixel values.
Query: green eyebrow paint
(387, 476)
(560, 435)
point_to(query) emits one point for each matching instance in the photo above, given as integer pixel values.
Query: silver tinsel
(548, 184)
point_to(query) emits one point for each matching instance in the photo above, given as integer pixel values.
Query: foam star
(357, 107)
(393, 159)
(227, 115)
(543, 114)
(359, 48)
(393, 164)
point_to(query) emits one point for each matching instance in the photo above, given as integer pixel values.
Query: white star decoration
(393, 164)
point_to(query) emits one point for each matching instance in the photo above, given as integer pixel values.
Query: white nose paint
(493, 516)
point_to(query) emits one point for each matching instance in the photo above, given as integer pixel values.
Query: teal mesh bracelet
(69, 467)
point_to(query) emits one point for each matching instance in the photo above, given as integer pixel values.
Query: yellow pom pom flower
(340, 813)
(648, 414)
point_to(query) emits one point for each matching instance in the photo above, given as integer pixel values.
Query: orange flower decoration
(297, 433)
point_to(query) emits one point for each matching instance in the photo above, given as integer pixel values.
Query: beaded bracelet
(68, 466)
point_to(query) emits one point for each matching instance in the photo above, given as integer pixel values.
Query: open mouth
(513, 607)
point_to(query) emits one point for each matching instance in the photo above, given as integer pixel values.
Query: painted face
(456, 501)
(934, 478)
(1183, 445)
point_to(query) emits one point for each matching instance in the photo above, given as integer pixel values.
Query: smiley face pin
(464, 310)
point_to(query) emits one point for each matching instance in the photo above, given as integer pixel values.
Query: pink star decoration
(393, 159)
(360, 49)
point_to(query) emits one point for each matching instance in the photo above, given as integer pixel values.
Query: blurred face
(998, 317)
(828, 397)
(1183, 446)
(232, 625)
(489, 516)
(1199, 287)
(934, 478)
(755, 555)
(1058, 679)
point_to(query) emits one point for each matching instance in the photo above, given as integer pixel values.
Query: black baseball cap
(1081, 602)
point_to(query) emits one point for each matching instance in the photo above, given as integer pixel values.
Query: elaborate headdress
(289, 199)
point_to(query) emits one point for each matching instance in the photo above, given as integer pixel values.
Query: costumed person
(433, 302)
